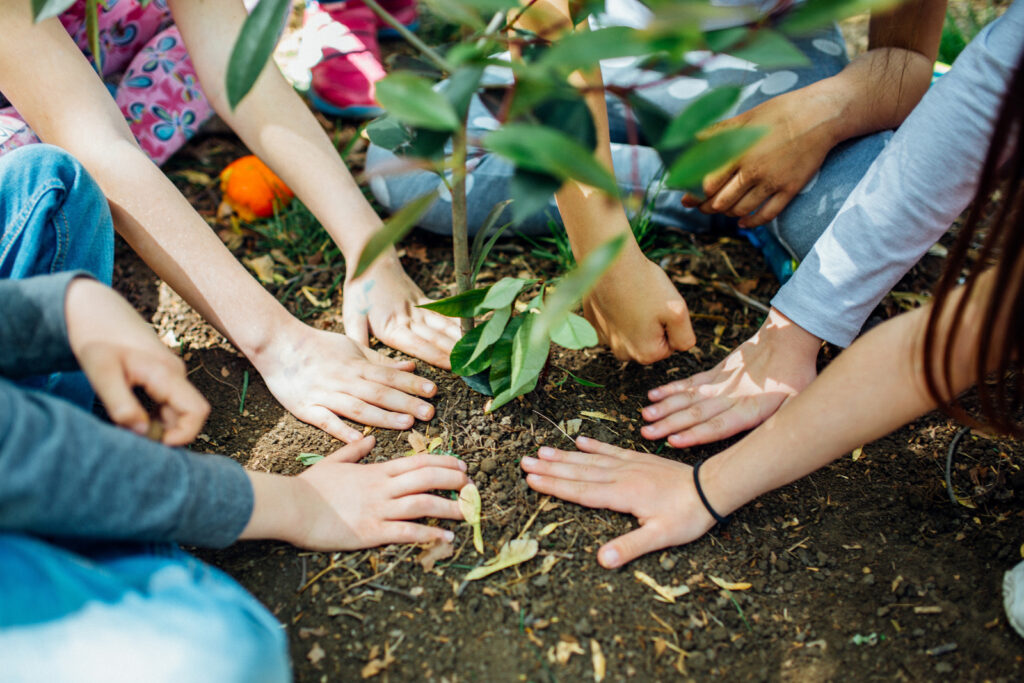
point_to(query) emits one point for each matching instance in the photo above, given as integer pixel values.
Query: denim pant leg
(129, 612)
(54, 218)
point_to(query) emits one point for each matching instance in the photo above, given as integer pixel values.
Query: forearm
(872, 388)
(590, 218)
(277, 126)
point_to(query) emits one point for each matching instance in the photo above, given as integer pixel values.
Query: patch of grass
(961, 25)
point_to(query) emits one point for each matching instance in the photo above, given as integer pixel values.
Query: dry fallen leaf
(572, 427)
(449, 606)
(666, 593)
(263, 266)
(469, 505)
(307, 292)
(857, 453)
(721, 583)
(418, 442)
(548, 528)
(597, 657)
(375, 666)
(315, 654)
(598, 415)
(566, 648)
(548, 564)
(514, 552)
(438, 550)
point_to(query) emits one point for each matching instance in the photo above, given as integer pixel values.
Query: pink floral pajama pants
(147, 70)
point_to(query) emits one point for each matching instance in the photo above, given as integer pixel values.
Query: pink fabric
(152, 77)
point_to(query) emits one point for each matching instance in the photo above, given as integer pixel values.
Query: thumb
(357, 327)
(354, 452)
(628, 547)
(678, 327)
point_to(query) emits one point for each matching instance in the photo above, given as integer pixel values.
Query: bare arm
(643, 328)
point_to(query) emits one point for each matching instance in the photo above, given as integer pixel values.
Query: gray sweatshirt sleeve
(65, 473)
(33, 333)
(924, 178)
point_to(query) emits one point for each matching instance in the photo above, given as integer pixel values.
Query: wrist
(781, 332)
(276, 505)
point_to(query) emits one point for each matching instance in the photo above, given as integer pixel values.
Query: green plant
(961, 26)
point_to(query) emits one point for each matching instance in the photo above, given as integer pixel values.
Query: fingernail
(610, 557)
(583, 439)
(545, 452)
(140, 427)
(462, 465)
(425, 412)
(654, 394)
(428, 387)
(527, 460)
(649, 412)
(449, 536)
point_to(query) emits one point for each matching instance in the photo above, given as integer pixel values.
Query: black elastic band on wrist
(719, 519)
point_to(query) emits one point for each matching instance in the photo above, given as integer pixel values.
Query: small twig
(529, 522)
(564, 433)
(949, 463)
(733, 292)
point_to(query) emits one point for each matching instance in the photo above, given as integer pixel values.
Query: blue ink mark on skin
(367, 286)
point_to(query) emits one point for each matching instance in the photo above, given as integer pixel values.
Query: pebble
(943, 668)
(782, 565)
(541, 581)
(489, 465)
(697, 661)
(667, 563)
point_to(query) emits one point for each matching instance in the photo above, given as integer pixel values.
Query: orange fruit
(251, 189)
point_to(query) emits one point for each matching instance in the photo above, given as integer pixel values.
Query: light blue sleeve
(918, 185)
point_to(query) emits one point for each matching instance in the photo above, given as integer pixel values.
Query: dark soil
(861, 547)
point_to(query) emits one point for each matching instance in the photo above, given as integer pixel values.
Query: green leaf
(504, 292)
(456, 12)
(254, 46)
(92, 31)
(387, 132)
(308, 459)
(573, 287)
(393, 230)
(412, 100)
(501, 356)
(710, 155)
(771, 50)
(479, 383)
(425, 144)
(722, 39)
(545, 150)
(462, 354)
(531, 192)
(583, 49)
(704, 111)
(574, 333)
(814, 14)
(528, 359)
(46, 9)
(492, 330)
(460, 88)
(465, 305)
(571, 115)
(653, 120)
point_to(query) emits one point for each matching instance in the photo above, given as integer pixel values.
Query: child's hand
(768, 175)
(321, 376)
(739, 393)
(638, 312)
(342, 505)
(658, 492)
(118, 351)
(383, 301)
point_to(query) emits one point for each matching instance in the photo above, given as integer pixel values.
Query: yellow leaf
(572, 427)
(195, 177)
(548, 528)
(597, 657)
(598, 415)
(434, 443)
(566, 648)
(514, 552)
(469, 504)
(263, 266)
(307, 291)
(857, 453)
(666, 593)
(729, 586)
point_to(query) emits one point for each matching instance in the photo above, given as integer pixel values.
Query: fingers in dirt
(427, 479)
(705, 411)
(719, 427)
(411, 462)
(322, 418)
(424, 505)
(410, 532)
(354, 451)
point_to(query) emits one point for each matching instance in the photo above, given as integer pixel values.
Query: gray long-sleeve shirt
(924, 178)
(65, 473)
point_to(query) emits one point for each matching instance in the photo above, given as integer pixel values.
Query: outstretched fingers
(721, 426)
(427, 479)
(410, 532)
(323, 419)
(354, 451)
(685, 416)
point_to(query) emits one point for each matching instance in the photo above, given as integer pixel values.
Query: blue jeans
(91, 610)
(54, 219)
(639, 168)
(129, 612)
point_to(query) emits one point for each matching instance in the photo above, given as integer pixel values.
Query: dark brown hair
(1000, 310)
